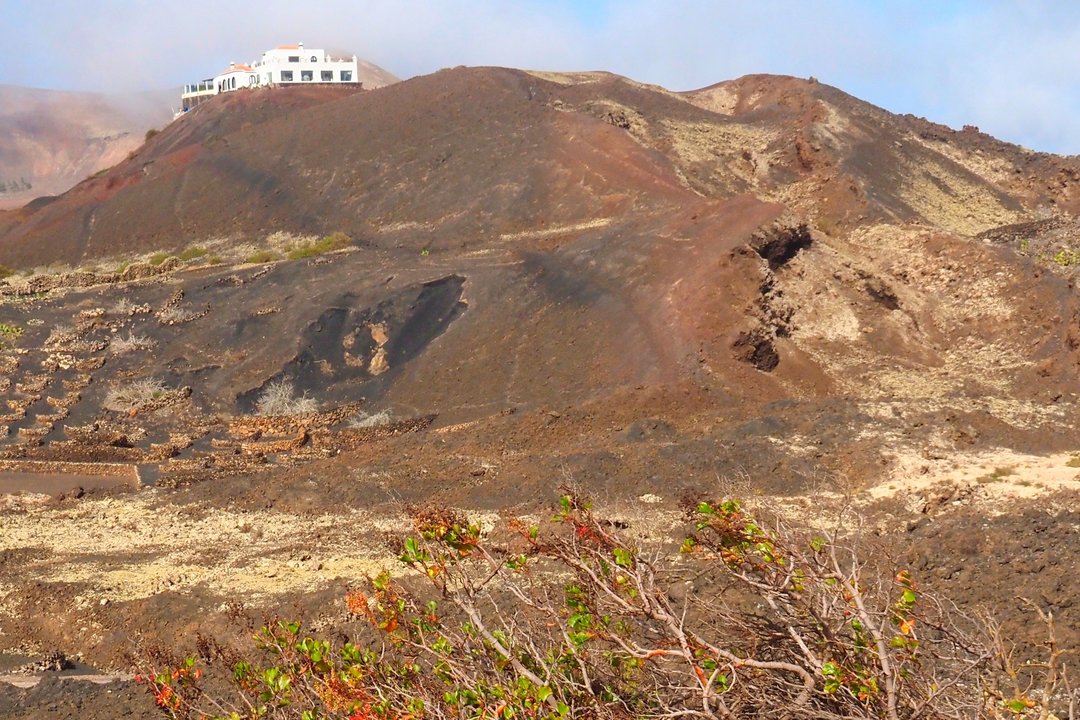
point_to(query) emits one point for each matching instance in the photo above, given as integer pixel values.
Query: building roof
(288, 47)
(237, 68)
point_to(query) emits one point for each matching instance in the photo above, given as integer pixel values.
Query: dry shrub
(134, 395)
(122, 308)
(369, 420)
(279, 398)
(175, 315)
(132, 343)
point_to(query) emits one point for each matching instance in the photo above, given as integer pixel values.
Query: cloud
(1008, 67)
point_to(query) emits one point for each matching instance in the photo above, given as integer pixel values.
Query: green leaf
(543, 693)
(623, 557)
(908, 597)
(1017, 705)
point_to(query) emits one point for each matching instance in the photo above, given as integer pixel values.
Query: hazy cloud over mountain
(1009, 67)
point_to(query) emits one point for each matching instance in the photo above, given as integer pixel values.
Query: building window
(294, 58)
(314, 58)
(307, 75)
(327, 75)
(286, 76)
(346, 76)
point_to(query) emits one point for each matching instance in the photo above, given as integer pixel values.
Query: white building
(284, 65)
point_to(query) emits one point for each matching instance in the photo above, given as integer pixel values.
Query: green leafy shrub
(5, 272)
(571, 618)
(158, 258)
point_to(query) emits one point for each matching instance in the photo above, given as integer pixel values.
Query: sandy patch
(127, 549)
(556, 230)
(991, 478)
(951, 201)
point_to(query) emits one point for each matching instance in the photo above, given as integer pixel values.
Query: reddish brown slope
(857, 160)
(616, 291)
(467, 155)
(451, 158)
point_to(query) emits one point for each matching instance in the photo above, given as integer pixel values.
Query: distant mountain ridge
(51, 139)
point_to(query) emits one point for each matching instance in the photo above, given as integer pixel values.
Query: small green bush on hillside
(1066, 258)
(262, 256)
(334, 241)
(192, 252)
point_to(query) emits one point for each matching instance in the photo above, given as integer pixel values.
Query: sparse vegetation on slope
(192, 252)
(262, 256)
(335, 241)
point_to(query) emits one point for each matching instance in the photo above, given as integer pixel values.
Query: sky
(1011, 68)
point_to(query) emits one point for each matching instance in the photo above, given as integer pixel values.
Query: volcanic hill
(766, 285)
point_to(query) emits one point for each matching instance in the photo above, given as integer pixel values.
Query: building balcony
(203, 88)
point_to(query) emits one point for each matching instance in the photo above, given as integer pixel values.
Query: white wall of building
(297, 64)
(284, 65)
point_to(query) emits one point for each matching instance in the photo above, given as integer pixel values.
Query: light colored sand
(129, 548)
(993, 477)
